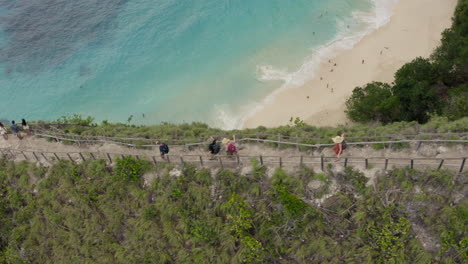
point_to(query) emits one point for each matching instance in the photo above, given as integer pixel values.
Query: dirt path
(285, 157)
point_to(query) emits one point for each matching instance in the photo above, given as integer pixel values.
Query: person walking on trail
(3, 131)
(230, 146)
(164, 150)
(26, 127)
(15, 129)
(340, 146)
(214, 148)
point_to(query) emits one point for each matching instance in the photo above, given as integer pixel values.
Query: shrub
(373, 102)
(130, 169)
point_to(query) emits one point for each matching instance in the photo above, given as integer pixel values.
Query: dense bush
(375, 101)
(423, 87)
(130, 169)
(82, 214)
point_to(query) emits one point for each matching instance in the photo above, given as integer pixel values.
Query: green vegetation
(302, 133)
(424, 87)
(91, 213)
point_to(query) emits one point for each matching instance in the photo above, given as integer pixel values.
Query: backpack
(216, 148)
(343, 145)
(164, 148)
(231, 148)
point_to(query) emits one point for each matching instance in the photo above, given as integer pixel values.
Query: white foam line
(378, 17)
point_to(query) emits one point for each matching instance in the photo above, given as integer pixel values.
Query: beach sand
(414, 30)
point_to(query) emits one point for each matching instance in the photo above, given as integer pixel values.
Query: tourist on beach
(26, 127)
(214, 148)
(164, 150)
(15, 129)
(3, 131)
(340, 146)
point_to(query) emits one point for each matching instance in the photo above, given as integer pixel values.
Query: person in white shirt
(26, 127)
(3, 131)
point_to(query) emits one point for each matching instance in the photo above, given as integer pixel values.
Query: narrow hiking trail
(364, 156)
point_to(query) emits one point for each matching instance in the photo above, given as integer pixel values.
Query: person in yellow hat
(340, 145)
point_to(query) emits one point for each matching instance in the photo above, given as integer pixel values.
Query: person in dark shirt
(214, 148)
(163, 149)
(15, 129)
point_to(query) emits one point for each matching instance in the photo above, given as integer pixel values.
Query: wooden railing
(150, 143)
(238, 161)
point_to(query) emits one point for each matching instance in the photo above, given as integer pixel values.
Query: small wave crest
(269, 73)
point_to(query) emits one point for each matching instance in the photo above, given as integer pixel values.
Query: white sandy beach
(414, 30)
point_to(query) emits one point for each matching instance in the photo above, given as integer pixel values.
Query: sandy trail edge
(414, 30)
(245, 149)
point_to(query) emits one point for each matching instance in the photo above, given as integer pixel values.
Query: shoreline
(374, 57)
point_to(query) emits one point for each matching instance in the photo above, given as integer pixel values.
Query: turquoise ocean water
(166, 60)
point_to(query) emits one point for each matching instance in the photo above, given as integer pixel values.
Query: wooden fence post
(56, 156)
(68, 154)
(221, 162)
(42, 153)
(366, 161)
(81, 155)
(281, 162)
(412, 164)
(238, 160)
(201, 160)
(279, 140)
(462, 165)
(261, 160)
(92, 155)
(345, 162)
(419, 145)
(24, 155)
(154, 160)
(440, 165)
(109, 157)
(322, 163)
(386, 164)
(301, 163)
(35, 156)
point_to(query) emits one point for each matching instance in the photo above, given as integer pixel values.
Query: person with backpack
(15, 129)
(340, 146)
(164, 150)
(214, 148)
(231, 147)
(3, 131)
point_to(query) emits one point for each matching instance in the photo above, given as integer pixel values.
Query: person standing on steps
(340, 146)
(3, 131)
(164, 150)
(26, 127)
(231, 147)
(214, 148)
(15, 129)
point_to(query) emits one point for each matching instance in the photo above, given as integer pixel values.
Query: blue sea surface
(157, 60)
